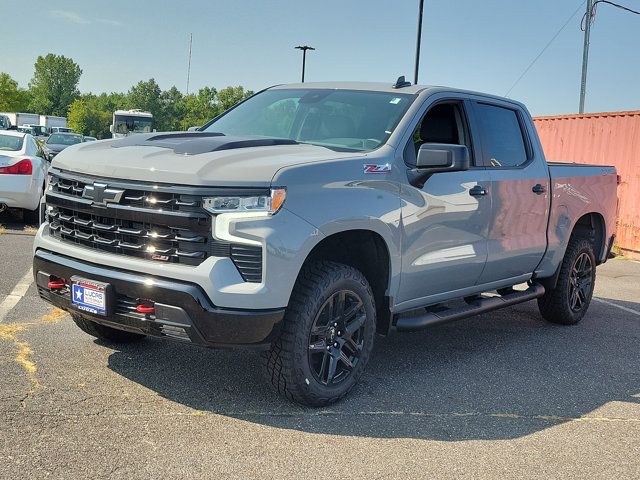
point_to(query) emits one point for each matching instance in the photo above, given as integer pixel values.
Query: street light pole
(418, 42)
(585, 54)
(304, 49)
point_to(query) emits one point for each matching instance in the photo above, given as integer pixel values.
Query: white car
(23, 171)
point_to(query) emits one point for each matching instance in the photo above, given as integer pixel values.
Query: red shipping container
(609, 138)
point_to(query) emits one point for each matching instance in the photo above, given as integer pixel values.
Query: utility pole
(418, 42)
(189, 65)
(304, 49)
(585, 54)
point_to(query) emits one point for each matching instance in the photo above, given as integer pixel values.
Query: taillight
(23, 167)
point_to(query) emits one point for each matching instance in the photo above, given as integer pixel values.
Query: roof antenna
(401, 83)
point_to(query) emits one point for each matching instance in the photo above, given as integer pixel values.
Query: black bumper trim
(184, 304)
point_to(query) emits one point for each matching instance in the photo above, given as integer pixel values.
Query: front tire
(567, 303)
(326, 337)
(108, 334)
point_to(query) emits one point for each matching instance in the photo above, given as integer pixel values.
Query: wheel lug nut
(335, 324)
(335, 344)
(339, 333)
(328, 347)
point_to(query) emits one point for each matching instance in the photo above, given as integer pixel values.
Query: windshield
(131, 124)
(66, 139)
(338, 119)
(10, 142)
(38, 129)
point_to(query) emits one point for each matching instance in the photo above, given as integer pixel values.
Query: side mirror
(193, 129)
(437, 157)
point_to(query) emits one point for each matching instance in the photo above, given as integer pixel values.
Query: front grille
(151, 222)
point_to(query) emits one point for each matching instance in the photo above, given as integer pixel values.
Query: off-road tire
(108, 334)
(555, 304)
(287, 364)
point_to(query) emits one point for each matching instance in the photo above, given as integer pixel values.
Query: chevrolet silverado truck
(311, 217)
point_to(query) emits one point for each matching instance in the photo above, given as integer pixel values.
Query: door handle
(478, 191)
(538, 189)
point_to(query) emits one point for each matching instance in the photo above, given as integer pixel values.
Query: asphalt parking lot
(502, 395)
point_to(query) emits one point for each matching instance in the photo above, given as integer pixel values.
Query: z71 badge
(377, 168)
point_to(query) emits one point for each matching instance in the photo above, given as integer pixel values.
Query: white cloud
(73, 17)
(70, 17)
(113, 23)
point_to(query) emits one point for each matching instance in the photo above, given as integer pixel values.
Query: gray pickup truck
(311, 217)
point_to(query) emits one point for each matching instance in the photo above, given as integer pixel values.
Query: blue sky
(480, 45)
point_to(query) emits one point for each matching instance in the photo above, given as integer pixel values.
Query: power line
(526, 70)
(585, 25)
(595, 5)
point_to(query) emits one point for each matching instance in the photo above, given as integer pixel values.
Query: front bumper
(182, 310)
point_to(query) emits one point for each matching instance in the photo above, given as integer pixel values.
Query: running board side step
(482, 305)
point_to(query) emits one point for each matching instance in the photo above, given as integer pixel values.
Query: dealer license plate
(89, 296)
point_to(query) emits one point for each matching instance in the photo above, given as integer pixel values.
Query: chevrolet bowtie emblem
(101, 194)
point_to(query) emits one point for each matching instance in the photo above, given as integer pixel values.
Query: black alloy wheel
(337, 337)
(567, 301)
(580, 280)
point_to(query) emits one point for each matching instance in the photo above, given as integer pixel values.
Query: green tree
(12, 97)
(145, 96)
(198, 108)
(229, 96)
(86, 117)
(93, 114)
(173, 109)
(54, 84)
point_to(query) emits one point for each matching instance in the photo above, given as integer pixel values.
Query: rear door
(517, 237)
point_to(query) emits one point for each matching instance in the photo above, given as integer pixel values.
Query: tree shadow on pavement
(497, 376)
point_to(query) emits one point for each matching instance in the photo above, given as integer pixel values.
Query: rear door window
(503, 139)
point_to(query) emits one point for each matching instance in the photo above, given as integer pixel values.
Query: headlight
(263, 203)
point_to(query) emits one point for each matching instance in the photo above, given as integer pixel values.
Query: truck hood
(192, 158)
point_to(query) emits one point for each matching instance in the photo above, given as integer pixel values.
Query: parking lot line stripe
(630, 310)
(16, 294)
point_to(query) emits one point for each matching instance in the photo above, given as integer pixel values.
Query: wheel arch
(591, 226)
(367, 251)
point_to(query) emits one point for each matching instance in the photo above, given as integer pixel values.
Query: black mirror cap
(437, 157)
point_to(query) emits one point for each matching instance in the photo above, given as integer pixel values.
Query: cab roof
(390, 88)
(365, 86)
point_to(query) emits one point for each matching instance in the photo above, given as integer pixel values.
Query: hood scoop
(193, 143)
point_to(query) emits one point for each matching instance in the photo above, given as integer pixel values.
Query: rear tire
(108, 334)
(326, 337)
(567, 303)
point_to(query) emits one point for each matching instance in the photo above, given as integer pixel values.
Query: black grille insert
(153, 224)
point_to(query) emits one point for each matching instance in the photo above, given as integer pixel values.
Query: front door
(445, 223)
